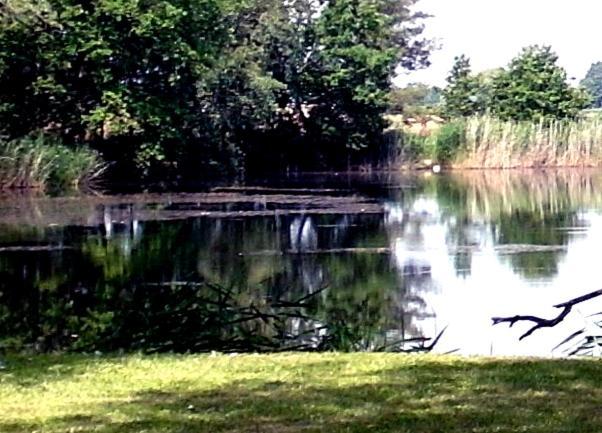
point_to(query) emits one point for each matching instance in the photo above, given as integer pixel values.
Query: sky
(492, 32)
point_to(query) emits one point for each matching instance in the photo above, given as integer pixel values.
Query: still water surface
(348, 262)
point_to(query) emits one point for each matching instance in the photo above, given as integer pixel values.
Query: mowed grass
(298, 393)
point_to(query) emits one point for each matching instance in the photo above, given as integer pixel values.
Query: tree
(362, 42)
(535, 87)
(111, 71)
(415, 99)
(464, 94)
(38, 14)
(593, 84)
(156, 83)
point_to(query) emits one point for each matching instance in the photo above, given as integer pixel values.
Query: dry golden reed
(492, 143)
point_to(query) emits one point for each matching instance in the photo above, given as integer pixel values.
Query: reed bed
(492, 143)
(38, 162)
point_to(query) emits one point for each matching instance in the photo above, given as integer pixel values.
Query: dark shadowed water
(348, 262)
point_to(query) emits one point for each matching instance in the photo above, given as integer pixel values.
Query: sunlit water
(393, 257)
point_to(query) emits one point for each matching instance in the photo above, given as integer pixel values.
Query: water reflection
(365, 264)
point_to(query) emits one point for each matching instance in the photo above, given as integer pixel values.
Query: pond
(323, 262)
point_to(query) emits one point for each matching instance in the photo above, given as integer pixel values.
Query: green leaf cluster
(532, 87)
(593, 84)
(362, 41)
(174, 85)
(535, 87)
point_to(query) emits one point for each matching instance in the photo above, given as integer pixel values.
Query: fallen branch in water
(547, 323)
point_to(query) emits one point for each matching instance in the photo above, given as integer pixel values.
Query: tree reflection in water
(194, 273)
(190, 286)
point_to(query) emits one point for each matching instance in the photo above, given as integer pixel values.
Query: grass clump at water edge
(488, 142)
(298, 393)
(39, 162)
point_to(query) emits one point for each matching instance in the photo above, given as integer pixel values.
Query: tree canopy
(167, 84)
(462, 96)
(533, 86)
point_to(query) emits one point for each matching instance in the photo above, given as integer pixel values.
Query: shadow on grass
(504, 396)
(26, 371)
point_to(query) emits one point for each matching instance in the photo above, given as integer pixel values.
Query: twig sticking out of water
(547, 323)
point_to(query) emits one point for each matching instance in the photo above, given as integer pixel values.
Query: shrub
(39, 161)
(411, 147)
(448, 141)
(441, 145)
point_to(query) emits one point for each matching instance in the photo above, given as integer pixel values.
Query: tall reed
(492, 143)
(40, 162)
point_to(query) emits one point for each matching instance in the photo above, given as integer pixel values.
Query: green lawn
(298, 393)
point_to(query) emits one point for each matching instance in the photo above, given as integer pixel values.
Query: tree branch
(547, 323)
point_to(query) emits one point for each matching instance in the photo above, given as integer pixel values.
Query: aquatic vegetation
(193, 317)
(141, 287)
(492, 143)
(40, 162)
(145, 272)
(488, 142)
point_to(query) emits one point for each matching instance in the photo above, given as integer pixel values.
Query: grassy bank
(38, 162)
(486, 142)
(299, 393)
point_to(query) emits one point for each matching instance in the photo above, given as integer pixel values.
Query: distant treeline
(170, 88)
(533, 86)
(526, 114)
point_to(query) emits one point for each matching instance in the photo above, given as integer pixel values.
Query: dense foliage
(36, 162)
(532, 87)
(593, 84)
(171, 85)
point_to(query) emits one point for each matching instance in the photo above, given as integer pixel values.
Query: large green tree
(534, 86)
(145, 80)
(335, 60)
(362, 42)
(110, 69)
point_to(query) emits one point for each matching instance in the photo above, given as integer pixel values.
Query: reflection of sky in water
(466, 301)
(453, 262)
